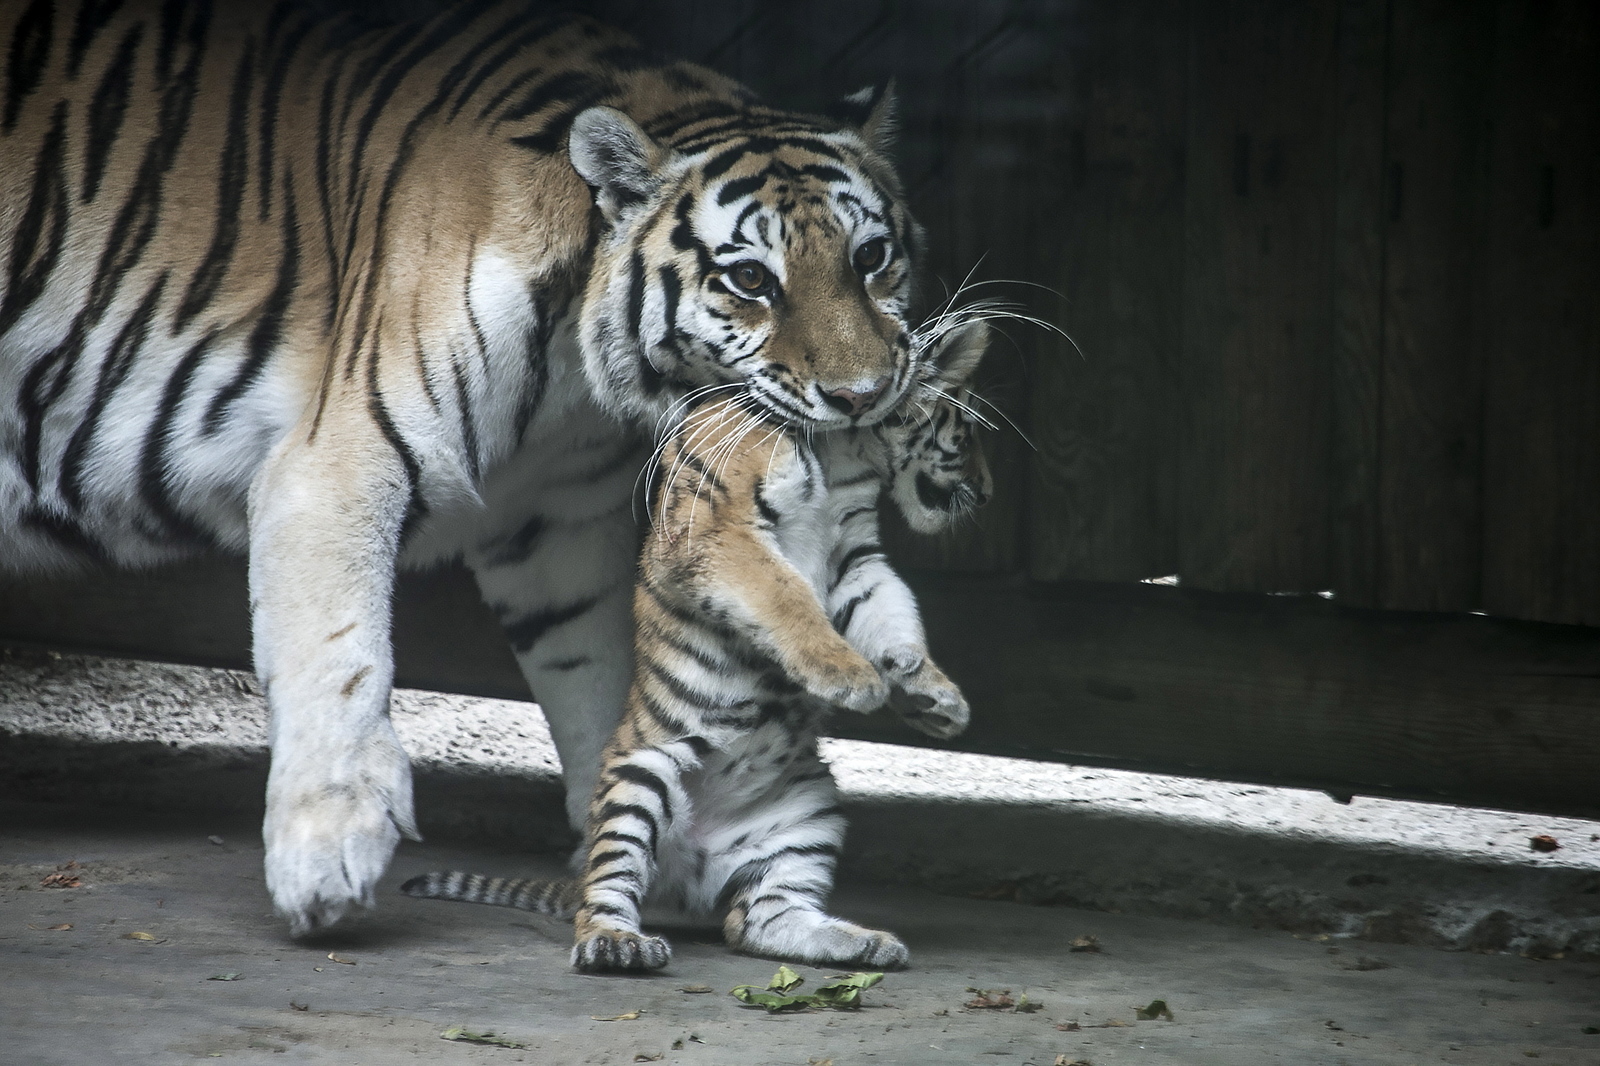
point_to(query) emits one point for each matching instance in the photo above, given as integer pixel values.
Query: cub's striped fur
(349, 297)
(764, 601)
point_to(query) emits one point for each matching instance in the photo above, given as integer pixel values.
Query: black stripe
(106, 112)
(233, 170)
(568, 85)
(552, 135)
(660, 715)
(598, 860)
(267, 123)
(640, 775)
(608, 909)
(323, 164)
(154, 488)
(30, 266)
(707, 475)
(740, 187)
(842, 617)
(268, 331)
(680, 690)
(64, 532)
(683, 615)
(92, 18)
(860, 551)
(528, 630)
(609, 810)
(621, 838)
(699, 745)
(768, 515)
(469, 428)
(29, 55)
(635, 294)
(416, 506)
(113, 372)
(614, 875)
(671, 292)
(540, 28)
(517, 547)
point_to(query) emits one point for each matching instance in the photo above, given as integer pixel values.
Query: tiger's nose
(851, 402)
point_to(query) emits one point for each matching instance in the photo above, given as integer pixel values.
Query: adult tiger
(348, 298)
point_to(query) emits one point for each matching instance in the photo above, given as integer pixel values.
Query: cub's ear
(872, 111)
(956, 354)
(616, 157)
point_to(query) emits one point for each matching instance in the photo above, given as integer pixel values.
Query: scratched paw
(332, 824)
(612, 949)
(930, 702)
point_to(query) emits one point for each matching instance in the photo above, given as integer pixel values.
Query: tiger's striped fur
(348, 298)
(764, 601)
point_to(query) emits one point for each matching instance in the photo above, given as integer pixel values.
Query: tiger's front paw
(612, 949)
(931, 703)
(851, 685)
(329, 835)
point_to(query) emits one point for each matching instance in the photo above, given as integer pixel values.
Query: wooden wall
(1332, 268)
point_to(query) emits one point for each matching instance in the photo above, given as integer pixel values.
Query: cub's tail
(558, 898)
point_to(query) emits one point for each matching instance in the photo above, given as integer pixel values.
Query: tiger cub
(764, 600)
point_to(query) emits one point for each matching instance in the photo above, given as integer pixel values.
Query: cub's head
(762, 254)
(936, 470)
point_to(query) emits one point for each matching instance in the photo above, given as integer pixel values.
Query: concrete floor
(1320, 945)
(92, 993)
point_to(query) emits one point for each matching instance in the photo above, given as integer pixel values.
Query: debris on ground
(695, 990)
(340, 959)
(463, 1036)
(841, 992)
(225, 977)
(143, 937)
(63, 877)
(990, 999)
(1365, 963)
(1085, 943)
(649, 1056)
(299, 1006)
(1062, 1060)
(218, 841)
(631, 1016)
(1026, 1006)
(1544, 842)
(1156, 1009)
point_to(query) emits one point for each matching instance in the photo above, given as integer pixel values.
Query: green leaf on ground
(839, 993)
(464, 1036)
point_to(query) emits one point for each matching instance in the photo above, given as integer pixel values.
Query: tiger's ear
(872, 111)
(617, 158)
(956, 355)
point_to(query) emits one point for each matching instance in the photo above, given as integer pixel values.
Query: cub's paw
(843, 679)
(328, 840)
(901, 662)
(847, 944)
(931, 703)
(612, 949)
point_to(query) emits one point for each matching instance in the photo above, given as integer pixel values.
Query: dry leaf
(60, 880)
(632, 1015)
(990, 999)
(1085, 943)
(696, 989)
(59, 928)
(647, 1056)
(1544, 842)
(299, 1006)
(1062, 1060)
(1069, 1027)
(463, 1036)
(218, 841)
(345, 962)
(819, 1062)
(225, 977)
(149, 938)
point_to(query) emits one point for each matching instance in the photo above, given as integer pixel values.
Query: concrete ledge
(156, 736)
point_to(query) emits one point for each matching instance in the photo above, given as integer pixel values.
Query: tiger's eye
(749, 275)
(870, 256)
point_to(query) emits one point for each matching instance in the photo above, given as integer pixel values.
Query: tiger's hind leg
(777, 892)
(637, 805)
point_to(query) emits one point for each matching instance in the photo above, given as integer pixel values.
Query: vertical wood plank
(1358, 301)
(1542, 402)
(1102, 504)
(1259, 219)
(1430, 491)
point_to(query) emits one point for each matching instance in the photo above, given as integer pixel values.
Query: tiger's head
(766, 256)
(936, 469)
